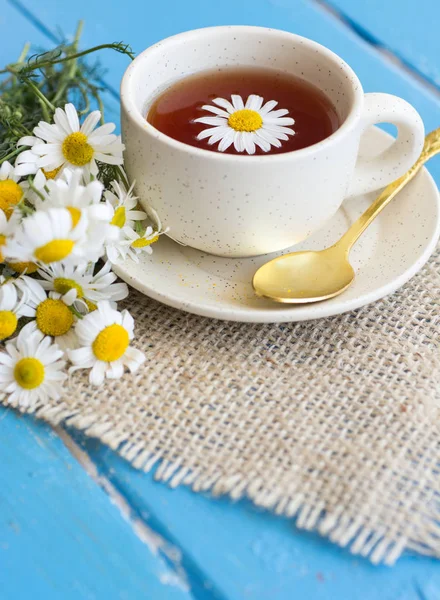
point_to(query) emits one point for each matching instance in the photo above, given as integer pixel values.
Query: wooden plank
(242, 552)
(61, 536)
(248, 553)
(408, 29)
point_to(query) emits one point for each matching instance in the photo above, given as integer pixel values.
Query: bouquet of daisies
(67, 213)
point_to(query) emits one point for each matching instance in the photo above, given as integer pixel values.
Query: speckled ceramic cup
(235, 205)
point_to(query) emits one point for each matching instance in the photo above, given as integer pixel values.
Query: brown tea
(244, 111)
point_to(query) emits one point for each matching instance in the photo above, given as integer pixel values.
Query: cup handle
(377, 172)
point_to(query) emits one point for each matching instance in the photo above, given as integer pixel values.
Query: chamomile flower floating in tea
(90, 288)
(10, 308)
(51, 313)
(245, 125)
(104, 336)
(31, 370)
(67, 143)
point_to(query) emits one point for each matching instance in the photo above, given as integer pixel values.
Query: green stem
(24, 53)
(12, 154)
(40, 95)
(34, 189)
(113, 46)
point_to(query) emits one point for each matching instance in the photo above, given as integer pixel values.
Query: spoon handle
(431, 148)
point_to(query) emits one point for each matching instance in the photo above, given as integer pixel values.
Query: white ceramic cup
(240, 205)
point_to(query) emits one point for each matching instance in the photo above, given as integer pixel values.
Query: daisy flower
(54, 235)
(11, 192)
(31, 370)
(122, 202)
(68, 192)
(137, 243)
(104, 336)
(52, 314)
(245, 125)
(67, 143)
(10, 308)
(90, 288)
(7, 228)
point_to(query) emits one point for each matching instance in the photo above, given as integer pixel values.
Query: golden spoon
(311, 276)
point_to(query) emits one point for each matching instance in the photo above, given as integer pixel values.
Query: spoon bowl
(313, 276)
(301, 277)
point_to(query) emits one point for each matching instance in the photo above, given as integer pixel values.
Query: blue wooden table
(76, 521)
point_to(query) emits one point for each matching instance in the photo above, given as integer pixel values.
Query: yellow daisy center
(8, 323)
(245, 120)
(21, 267)
(76, 149)
(119, 217)
(51, 174)
(111, 343)
(75, 213)
(54, 251)
(142, 242)
(29, 373)
(2, 243)
(90, 305)
(63, 285)
(54, 317)
(10, 195)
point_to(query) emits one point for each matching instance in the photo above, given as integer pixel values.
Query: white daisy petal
(211, 121)
(224, 104)
(90, 122)
(237, 102)
(217, 111)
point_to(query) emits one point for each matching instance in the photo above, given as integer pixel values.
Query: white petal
(217, 111)
(237, 102)
(224, 104)
(90, 122)
(248, 142)
(227, 140)
(212, 131)
(254, 102)
(217, 121)
(97, 373)
(264, 110)
(72, 117)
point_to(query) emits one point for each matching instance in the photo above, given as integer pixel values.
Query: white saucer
(389, 253)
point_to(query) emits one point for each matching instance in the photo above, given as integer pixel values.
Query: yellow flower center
(119, 217)
(76, 149)
(63, 285)
(245, 120)
(29, 373)
(10, 195)
(51, 174)
(142, 242)
(90, 305)
(75, 213)
(54, 251)
(2, 243)
(21, 267)
(111, 343)
(8, 323)
(54, 317)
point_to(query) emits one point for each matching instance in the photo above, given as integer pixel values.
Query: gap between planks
(389, 56)
(155, 542)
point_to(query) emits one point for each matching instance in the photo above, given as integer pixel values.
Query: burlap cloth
(334, 422)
